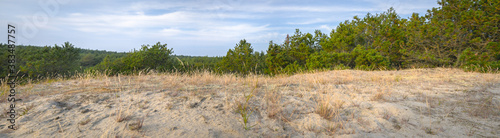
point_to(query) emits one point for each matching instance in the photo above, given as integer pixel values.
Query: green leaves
(157, 57)
(148, 57)
(369, 59)
(243, 60)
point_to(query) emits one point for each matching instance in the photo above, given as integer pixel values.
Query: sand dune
(344, 103)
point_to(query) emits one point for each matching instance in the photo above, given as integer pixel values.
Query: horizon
(191, 28)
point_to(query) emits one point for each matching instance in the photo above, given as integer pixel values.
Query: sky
(190, 27)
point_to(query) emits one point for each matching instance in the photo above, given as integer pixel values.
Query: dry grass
(119, 117)
(326, 109)
(245, 111)
(122, 116)
(84, 122)
(382, 94)
(26, 109)
(484, 107)
(273, 99)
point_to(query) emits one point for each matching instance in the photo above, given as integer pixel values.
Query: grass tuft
(84, 122)
(136, 125)
(327, 110)
(243, 110)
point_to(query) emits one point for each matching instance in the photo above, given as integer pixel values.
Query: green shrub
(369, 59)
(243, 60)
(326, 60)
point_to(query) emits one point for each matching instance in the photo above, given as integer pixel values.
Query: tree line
(459, 34)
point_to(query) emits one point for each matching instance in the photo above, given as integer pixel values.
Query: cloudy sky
(190, 27)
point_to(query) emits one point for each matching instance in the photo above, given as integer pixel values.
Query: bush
(293, 68)
(473, 61)
(369, 59)
(148, 57)
(243, 60)
(51, 61)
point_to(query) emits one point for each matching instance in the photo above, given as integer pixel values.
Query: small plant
(136, 125)
(273, 103)
(5, 113)
(363, 122)
(60, 126)
(378, 96)
(398, 78)
(428, 130)
(169, 106)
(405, 120)
(485, 107)
(386, 115)
(332, 127)
(243, 110)
(471, 131)
(397, 126)
(26, 109)
(143, 105)
(84, 122)
(326, 110)
(120, 117)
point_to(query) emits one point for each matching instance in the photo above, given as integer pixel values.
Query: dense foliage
(461, 34)
(155, 57)
(243, 60)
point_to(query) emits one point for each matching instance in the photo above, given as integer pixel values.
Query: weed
(84, 122)
(363, 122)
(398, 78)
(5, 113)
(273, 103)
(60, 126)
(396, 126)
(380, 95)
(326, 110)
(137, 125)
(471, 131)
(243, 109)
(121, 117)
(332, 127)
(386, 115)
(429, 130)
(169, 106)
(143, 105)
(405, 120)
(26, 109)
(485, 108)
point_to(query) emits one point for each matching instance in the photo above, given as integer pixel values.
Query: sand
(344, 103)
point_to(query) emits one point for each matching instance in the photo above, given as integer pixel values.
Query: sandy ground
(344, 103)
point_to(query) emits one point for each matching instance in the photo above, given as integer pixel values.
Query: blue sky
(190, 27)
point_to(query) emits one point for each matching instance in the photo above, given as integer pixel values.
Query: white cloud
(179, 24)
(403, 6)
(326, 27)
